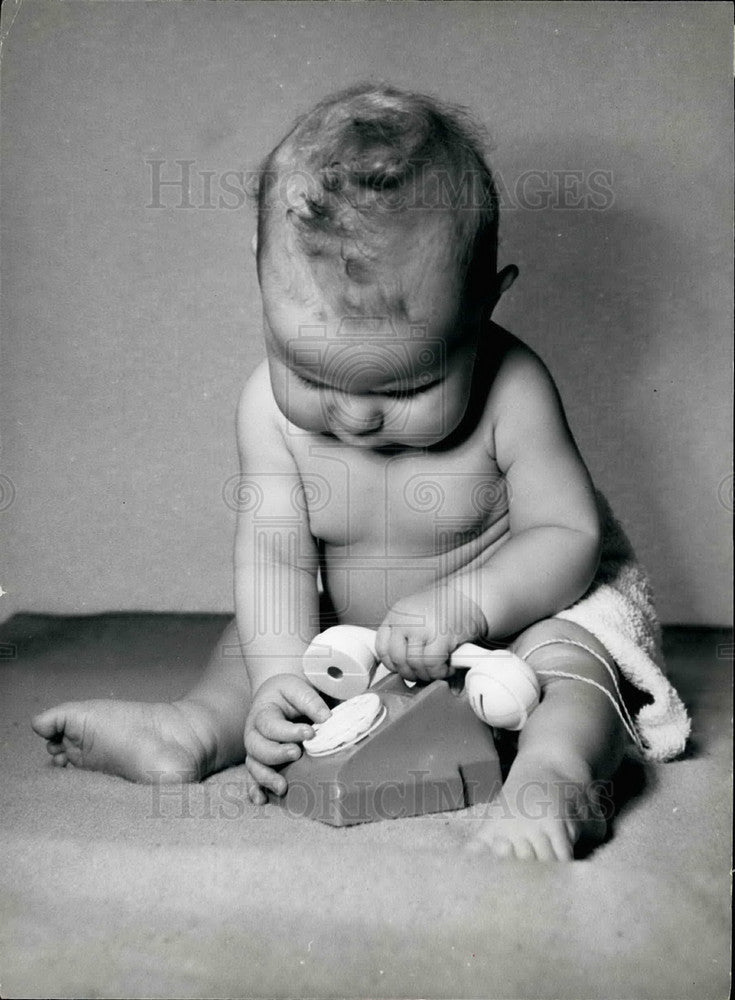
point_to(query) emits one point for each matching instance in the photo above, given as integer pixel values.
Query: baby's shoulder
(257, 387)
(521, 379)
(515, 360)
(258, 416)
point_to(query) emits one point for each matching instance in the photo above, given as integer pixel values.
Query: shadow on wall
(604, 296)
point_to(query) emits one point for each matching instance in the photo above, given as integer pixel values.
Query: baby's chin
(384, 444)
(383, 441)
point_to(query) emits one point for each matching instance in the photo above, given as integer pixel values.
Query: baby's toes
(554, 847)
(502, 848)
(57, 749)
(63, 751)
(524, 849)
(48, 724)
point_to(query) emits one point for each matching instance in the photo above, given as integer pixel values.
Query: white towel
(618, 609)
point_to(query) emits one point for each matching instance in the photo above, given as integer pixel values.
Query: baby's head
(376, 248)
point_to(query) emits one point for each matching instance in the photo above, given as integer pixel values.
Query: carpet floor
(111, 889)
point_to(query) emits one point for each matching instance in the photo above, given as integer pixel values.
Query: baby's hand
(420, 633)
(271, 739)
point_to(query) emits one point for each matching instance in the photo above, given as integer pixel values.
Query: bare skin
(570, 744)
(432, 479)
(166, 742)
(573, 740)
(557, 790)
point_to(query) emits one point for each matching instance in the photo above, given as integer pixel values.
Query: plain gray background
(129, 321)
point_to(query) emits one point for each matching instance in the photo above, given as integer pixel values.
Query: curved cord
(620, 707)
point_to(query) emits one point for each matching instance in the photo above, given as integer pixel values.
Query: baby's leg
(556, 790)
(183, 740)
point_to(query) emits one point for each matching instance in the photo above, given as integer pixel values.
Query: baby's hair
(352, 167)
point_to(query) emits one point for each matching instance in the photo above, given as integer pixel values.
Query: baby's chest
(423, 502)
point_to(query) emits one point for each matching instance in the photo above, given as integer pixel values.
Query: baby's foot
(136, 740)
(542, 818)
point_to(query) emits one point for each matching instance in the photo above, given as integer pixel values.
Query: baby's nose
(357, 415)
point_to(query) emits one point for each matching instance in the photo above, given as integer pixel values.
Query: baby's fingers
(264, 777)
(382, 647)
(254, 792)
(390, 647)
(303, 699)
(416, 659)
(271, 724)
(436, 659)
(269, 751)
(409, 654)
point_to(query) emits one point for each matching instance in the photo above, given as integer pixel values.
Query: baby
(407, 457)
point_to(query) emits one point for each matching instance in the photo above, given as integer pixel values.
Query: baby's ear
(505, 279)
(254, 244)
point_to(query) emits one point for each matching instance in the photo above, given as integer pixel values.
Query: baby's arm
(553, 548)
(276, 599)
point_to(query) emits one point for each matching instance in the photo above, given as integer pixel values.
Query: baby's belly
(389, 526)
(363, 583)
